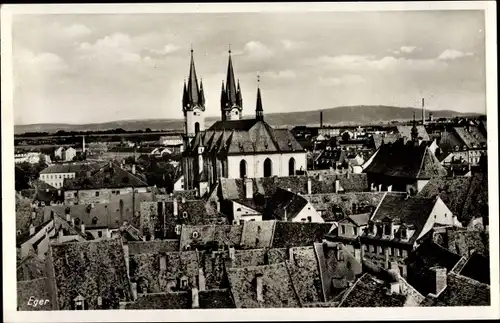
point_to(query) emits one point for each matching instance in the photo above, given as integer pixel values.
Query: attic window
(94, 220)
(184, 215)
(18, 232)
(195, 235)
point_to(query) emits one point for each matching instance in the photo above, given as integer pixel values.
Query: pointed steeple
(202, 93)
(230, 82)
(192, 93)
(185, 98)
(259, 112)
(239, 99)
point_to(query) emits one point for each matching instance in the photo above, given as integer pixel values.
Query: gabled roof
(28, 289)
(305, 274)
(405, 131)
(462, 241)
(461, 291)
(277, 291)
(72, 168)
(368, 291)
(466, 197)
(471, 136)
(109, 176)
(284, 205)
(102, 263)
(406, 160)
(156, 246)
(31, 267)
(201, 235)
(298, 234)
(257, 234)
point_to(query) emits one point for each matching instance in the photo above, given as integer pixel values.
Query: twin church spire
(231, 98)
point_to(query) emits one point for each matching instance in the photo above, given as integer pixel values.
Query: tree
(148, 129)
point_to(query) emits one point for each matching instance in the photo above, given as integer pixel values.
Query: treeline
(87, 133)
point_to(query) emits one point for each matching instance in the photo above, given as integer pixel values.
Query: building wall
(255, 164)
(241, 212)
(308, 211)
(102, 195)
(56, 179)
(69, 154)
(383, 255)
(440, 214)
(179, 184)
(191, 118)
(42, 247)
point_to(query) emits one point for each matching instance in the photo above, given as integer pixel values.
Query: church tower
(259, 112)
(231, 101)
(193, 104)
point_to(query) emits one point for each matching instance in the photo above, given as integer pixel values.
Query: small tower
(83, 144)
(414, 130)
(259, 112)
(231, 100)
(423, 111)
(193, 103)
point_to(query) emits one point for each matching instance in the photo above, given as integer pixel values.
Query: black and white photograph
(209, 157)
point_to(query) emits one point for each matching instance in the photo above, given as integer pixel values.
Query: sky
(90, 68)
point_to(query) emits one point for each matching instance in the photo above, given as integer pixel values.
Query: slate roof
(47, 193)
(37, 288)
(298, 234)
(222, 235)
(284, 205)
(461, 291)
(78, 168)
(461, 241)
(106, 214)
(368, 291)
(477, 267)
(90, 269)
(466, 197)
(405, 131)
(246, 136)
(471, 136)
(343, 271)
(407, 161)
(106, 177)
(426, 256)
(277, 291)
(413, 212)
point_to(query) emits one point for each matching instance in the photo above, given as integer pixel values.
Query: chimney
(133, 286)
(394, 288)
(83, 227)
(423, 111)
(88, 173)
(431, 117)
(68, 217)
(372, 187)
(201, 279)
(218, 206)
(337, 186)
(285, 215)
(259, 288)
(110, 164)
(321, 119)
(290, 255)
(176, 208)
(133, 169)
(60, 233)
(32, 229)
(72, 222)
(309, 186)
(231, 253)
(389, 188)
(248, 188)
(194, 298)
(58, 192)
(439, 279)
(320, 177)
(380, 187)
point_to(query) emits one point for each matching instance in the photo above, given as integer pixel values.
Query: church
(233, 147)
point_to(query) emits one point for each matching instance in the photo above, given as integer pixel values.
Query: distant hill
(351, 115)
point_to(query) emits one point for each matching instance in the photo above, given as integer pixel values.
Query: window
(94, 220)
(380, 250)
(309, 219)
(268, 168)
(196, 127)
(75, 194)
(243, 168)
(355, 230)
(195, 235)
(405, 253)
(372, 248)
(396, 252)
(96, 194)
(184, 215)
(77, 221)
(342, 228)
(291, 167)
(99, 234)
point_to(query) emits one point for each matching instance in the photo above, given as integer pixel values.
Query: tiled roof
(413, 212)
(156, 246)
(257, 234)
(246, 136)
(72, 168)
(405, 131)
(335, 206)
(106, 214)
(284, 205)
(406, 160)
(106, 177)
(24, 215)
(426, 256)
(304, 271)
(471, 136)
(298, 234)
(461, 241)
(466, 197)
(101, 264)
(360, 219)
(200, 235)
(371, 292)
(26, 236)
(461, 291)
(477, 267)
(31, 267)
(341, 271)
(36, 289)
(234, 188)
(277, 287)
(158, 301)
(216, 298)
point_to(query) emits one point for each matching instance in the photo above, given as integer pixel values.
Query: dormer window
(79, 303)
(94, 220)
(178, 229)
(404, 232)
(195, 235)
(184, 215)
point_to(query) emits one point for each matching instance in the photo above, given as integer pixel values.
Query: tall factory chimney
(321, 119)
(423, 111)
